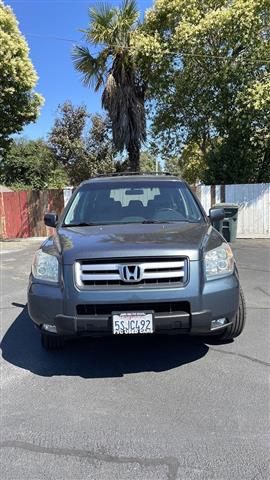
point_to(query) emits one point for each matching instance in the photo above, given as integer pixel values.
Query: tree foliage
(83, 152)
(74, 152)
(172, 165)
(115, 70)
(67, 135)
(148, 163)
(190, 165)
(207, 65)
(19, 105)
(98, 158)
(31, 164)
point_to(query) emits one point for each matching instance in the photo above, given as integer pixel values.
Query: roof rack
(123, 174)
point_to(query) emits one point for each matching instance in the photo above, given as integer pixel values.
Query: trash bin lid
(230, 209)
(226, 205)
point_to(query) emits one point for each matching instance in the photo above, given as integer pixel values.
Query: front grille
(140, 272)
(158, 308)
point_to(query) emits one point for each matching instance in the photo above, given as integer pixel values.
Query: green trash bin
(228, 226)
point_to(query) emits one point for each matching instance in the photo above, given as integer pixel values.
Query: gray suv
(135, 254)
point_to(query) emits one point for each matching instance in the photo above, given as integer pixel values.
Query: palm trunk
(134, 156)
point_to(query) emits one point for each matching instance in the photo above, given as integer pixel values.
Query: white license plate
(132, 323)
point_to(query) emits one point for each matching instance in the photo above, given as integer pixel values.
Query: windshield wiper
(167, 221)
(82, 224)
(148, 222)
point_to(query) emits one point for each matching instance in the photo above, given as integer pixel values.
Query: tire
(237, 327)
(52, 342)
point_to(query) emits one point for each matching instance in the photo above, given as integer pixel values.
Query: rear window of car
(133, 202)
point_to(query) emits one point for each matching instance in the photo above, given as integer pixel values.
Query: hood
(132, 240)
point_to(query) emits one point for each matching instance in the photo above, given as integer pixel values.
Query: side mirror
(51, 219)
(216, 214)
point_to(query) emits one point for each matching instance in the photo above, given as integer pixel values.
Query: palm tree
(115, 69)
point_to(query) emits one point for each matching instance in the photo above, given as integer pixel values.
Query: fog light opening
(219, 323)
(49, 328)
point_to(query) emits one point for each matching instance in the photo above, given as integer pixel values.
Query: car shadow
(100, 357)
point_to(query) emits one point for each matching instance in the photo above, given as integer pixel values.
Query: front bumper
(207, 301)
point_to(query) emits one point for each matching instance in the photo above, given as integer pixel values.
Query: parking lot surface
(138, 408)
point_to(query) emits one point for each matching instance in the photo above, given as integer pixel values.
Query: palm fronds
(92, 68)
(123, 95)
(102, 20)
(129, 13)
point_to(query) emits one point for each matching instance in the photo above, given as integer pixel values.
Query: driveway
(135, 408)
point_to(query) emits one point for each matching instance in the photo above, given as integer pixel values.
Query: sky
(51, 28)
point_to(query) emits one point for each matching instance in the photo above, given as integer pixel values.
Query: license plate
(132, 323)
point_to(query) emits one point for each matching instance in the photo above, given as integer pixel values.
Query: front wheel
(52, 342)
(237, 327)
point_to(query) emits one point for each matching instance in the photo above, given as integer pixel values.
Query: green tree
(207, 67)
(83, 152)
(149, 163)
(19, 105)
(31, 164)
(172, 165)
(98, 156)
(114, 68)
(192, 163)
(67, 135)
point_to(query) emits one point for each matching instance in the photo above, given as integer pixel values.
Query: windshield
(143, 201)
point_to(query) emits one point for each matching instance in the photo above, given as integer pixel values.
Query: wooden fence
(21, 213)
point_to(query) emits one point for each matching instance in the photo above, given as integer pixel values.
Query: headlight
(219, 262)
(45, 267)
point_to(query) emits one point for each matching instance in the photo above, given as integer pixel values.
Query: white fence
(254, 206)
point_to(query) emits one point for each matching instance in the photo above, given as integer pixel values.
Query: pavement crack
(247, 357)
(170, 462)
(249, 267)
(263, 291)
(250, 307)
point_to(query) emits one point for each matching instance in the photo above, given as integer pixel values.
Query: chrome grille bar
(158, 275)
(100, 267)
(93, 274)
(163, 265)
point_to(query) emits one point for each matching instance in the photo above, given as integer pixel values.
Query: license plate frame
(133, 328)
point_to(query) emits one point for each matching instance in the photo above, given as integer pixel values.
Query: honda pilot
(135, 255)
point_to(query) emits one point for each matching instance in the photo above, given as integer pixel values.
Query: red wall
(21, 213)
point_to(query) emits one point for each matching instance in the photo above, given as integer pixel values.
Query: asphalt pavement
(135, 408)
